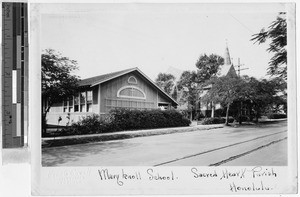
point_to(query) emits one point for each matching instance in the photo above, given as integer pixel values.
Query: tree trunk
(227, 115)
(241, 108)
(44, 124)
(44, 120)
(250, 113)
(257, 114)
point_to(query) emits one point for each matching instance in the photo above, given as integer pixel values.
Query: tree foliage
(166, 82)
(225, 90)
(208, 66)
(248, 93)
(266, 96)
(57, 81)
(188, 87)
(277, 34)
(174, 93)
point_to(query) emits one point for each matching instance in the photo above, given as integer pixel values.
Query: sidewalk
(80, 139)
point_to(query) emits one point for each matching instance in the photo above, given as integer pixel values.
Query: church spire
(227, 60)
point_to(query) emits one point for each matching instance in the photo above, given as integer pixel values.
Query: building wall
(109, 90)
(57, 110)
(162, 98)
(107, 96)
(52, 118)
(95, 99)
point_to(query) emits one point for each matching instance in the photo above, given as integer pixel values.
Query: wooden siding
(109, 92)
(95, 107)
(162, 98)
(108, 99)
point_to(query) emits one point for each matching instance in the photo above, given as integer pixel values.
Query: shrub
(199, 116)
(87, 125)
(243, 118)
(126, 119)
(276, 116)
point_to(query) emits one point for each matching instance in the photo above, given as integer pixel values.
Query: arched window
(132, 80)
(131, 92)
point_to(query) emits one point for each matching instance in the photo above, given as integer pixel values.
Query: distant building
(128, 88)
(208, 109)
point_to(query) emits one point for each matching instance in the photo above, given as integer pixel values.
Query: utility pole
(239, 67)
(241, 104)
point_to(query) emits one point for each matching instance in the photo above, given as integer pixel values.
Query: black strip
(17, 20)
(14, 66)
(22, 9)
(22, 31)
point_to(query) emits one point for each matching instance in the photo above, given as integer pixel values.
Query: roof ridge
(92, 81)
(110, 73)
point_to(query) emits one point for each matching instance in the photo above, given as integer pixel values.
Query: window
(89, 97)
(76, 104)
(82, 101)
(65, 106)
(71, 104)
(132, 80)
(89, 108)
(89, 101)
(128, 103)
(131, 92)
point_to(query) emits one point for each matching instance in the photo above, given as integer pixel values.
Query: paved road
(243, 146)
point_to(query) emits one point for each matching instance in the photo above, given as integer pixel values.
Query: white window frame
(133, 87)
(133, 78)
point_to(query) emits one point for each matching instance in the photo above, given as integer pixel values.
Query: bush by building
(125, 119)
(87, 125)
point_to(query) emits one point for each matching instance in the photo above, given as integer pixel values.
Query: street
(247, 145)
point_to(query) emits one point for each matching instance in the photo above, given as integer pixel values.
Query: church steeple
(227, 69)
(227, 60)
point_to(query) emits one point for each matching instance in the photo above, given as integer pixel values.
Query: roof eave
(108, 79)
(136, 69)
(157, 86)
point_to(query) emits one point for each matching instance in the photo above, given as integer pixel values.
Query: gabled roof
(102, 78)
(107, 77)
(227, 70)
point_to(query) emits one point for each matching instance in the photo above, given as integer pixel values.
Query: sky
(105, 38)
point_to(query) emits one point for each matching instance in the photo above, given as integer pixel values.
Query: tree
(57, 81)
(277, 33)
(225, 90)
(208, 66)
(188, 87)
(174, 93)
(265, 94)
(166, 82)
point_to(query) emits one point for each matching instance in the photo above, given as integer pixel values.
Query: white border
(46, 180)
(15, 178)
